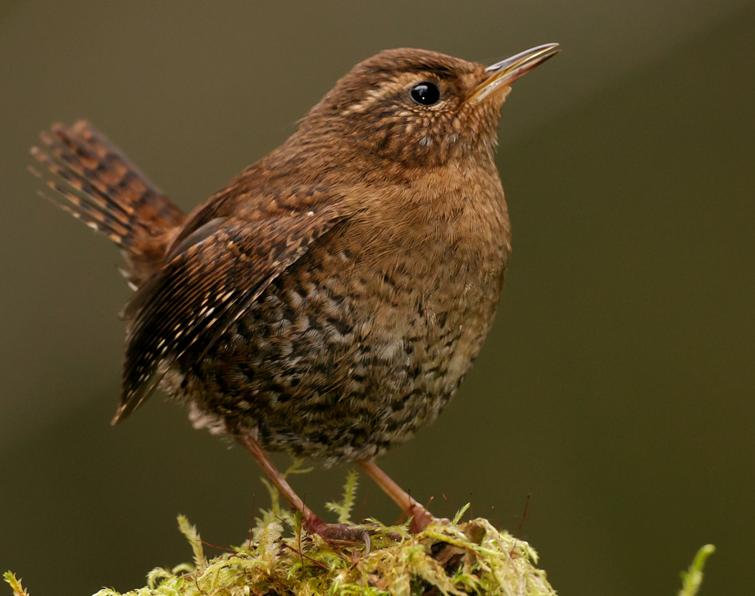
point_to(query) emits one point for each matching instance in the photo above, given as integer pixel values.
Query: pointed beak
(503, 73)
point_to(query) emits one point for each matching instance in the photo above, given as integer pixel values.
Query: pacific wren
(330, 299)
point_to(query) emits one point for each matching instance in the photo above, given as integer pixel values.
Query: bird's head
(420, 108)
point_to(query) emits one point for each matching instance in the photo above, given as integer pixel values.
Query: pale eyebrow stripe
(376, 94)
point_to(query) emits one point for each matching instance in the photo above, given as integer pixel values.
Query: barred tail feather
(92, 180)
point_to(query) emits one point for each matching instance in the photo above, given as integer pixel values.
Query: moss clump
(446, 558)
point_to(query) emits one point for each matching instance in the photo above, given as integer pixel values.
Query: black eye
(425, 93)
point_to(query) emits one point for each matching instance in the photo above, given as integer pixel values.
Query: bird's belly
(342, 366)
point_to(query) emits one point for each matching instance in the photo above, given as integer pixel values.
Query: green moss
(470, 557)
(692, 579)
(448, 557)
(15, 584)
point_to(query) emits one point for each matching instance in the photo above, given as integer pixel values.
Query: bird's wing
(230, 251)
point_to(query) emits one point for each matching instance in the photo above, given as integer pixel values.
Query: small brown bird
(330, 299)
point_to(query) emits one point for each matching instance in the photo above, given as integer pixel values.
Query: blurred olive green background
(616, 392)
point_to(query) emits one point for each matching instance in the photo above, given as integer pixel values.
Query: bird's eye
(425, 93)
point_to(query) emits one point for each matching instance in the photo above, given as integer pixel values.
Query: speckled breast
(348, 354)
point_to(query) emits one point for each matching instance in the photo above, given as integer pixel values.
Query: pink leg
(420, 516)
(312, 523)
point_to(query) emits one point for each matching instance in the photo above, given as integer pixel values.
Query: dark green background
(617, 388)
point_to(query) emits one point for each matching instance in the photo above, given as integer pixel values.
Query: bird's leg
(419, 515)
(278, 479)
(311, 522)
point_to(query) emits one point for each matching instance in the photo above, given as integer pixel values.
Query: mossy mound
(446, 558)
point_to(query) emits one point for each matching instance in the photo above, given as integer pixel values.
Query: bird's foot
(339, 532)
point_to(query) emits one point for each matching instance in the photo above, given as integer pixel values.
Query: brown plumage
(330, 299)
